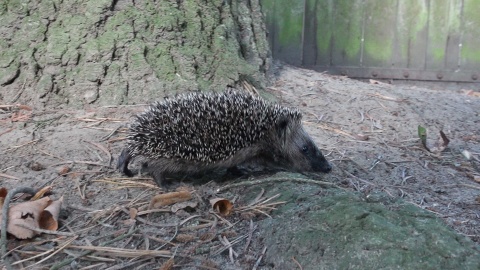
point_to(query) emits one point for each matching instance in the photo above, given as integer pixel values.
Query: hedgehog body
(198, 131)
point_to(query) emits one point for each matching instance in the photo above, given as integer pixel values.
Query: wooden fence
(398, 39)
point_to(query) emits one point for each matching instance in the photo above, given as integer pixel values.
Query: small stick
(15, 98)
(48, 154)
(101, 147)
(6, 131)
(44, 231)
(257, 263)
(9, 176)
(299, 265)
(68, 242)
(250, 235)
(85, 253)
(80, 162)
(21, 145)
(104, 138)
(360, 179)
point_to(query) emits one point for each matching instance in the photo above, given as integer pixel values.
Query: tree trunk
(125, 52)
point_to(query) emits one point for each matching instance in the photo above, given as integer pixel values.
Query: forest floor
(368, 131)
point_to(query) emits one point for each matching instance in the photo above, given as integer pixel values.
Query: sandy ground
(367, 130)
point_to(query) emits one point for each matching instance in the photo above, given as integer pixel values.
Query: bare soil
(368, 130)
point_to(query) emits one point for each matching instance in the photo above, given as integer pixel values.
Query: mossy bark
(76, 52)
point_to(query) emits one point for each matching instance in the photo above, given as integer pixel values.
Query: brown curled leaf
(133, 212)
(3, 194)
(49, 217)
(222, 206)
(64, 170)
(440, 144)
(169, 198)
(26, 213)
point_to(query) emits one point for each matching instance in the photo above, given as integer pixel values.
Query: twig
(48, 154)
(104, 138)
(358, 178)
(250, 235)
(101, 147)
(44, 231)
(126, 265)
(80, 162)
(6, 131)
(85, 253)
(387, 98)
(296, 262)
(336, 130)
(227, 244)
(86, 119)
(21, 145)
(257, 263)
(15, 98)
(9, 176)
(272, 180)
(63, 246)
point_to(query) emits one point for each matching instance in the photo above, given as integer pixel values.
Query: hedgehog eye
(305, 149)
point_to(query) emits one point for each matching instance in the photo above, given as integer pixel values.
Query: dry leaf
(476, 178)
(26, 213)
(41, 193)
(64, 170)
(440, 144)
(168, 265)
(467, 154)
(129, 222)
(222, 206)
(24, 107)
(362, 137)
(472, 93)
(208, 236)
(229, 234)
(3, 194)
(37, 166)
(184, 238)
(169, 198)
(183, 205)
(133, 213)
(49, 217)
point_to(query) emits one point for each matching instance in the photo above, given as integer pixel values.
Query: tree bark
(125, 52)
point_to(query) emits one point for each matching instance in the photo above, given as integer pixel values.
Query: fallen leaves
(435, 147)
(471, 93)
(222, 206)
(169, 198)
(26, 219)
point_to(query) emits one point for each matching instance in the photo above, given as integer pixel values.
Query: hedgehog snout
(320, 163)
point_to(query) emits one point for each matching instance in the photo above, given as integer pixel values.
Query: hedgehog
(198, 131)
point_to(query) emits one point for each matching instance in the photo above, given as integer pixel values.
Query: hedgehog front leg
(157, 169)
(234, 171)
(160, 180)
(123, 161)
